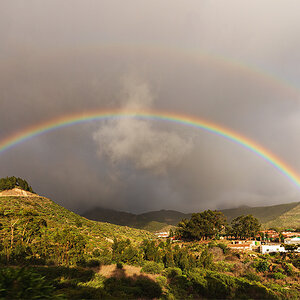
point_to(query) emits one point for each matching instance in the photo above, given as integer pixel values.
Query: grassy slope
(98, 233)
(290, 218)
(264, 213)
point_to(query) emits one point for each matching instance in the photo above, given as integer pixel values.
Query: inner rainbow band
(77, 118)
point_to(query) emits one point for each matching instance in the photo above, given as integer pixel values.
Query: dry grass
(126, 271)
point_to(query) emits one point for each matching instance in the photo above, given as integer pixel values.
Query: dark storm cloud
(58, 57)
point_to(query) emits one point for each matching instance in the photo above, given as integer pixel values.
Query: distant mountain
(282, 215)
(290, 219)
(152, 221)
(265, 214)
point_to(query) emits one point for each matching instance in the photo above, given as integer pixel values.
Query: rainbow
(78, 118)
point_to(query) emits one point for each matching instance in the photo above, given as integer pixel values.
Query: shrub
(96, 253)
(119, 265)
(197, 277)
(223, 247)
(93, 263)
(253, 290)
(220, 285)
(161, 280)
(24, 284)
(172, 272)
(127, 288)
(279, 275)
(288, 269)
(252, 276)
(261, 265)
(152, 267)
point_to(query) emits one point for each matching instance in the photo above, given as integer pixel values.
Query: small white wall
(271, 248)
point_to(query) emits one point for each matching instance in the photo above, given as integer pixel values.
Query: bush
(119, 265)
(261, 265)
(96, 253)
(223, 247)
(24, 284)
(288, 268)
(172, 272)
(220, 286)
(161, 280)
(197, 277)
(278, 275)
(152, 267)
(127, 288)
(252, 276)
(93, 263)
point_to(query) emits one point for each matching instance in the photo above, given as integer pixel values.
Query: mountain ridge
(265, 214)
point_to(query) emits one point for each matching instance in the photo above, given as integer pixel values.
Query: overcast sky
(236, 63)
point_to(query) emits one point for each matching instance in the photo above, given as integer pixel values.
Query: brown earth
(126, 271)
(17, 192)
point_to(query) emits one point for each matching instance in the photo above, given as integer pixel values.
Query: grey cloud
(137, 140)
(58, 58)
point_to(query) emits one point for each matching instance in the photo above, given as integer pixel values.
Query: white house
(271, 248)
(162, 234)
(292, 241)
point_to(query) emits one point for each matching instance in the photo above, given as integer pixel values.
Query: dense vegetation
(213, 224)
(36, 230)
(9, 183)
(47, 251)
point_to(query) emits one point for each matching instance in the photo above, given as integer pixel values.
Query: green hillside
(151, 221)
(19, 211)
(290, 219)
(264, 213)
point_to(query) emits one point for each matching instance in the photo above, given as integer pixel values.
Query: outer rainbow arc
(77, 118)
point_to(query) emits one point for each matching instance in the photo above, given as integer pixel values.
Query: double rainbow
(72, 119)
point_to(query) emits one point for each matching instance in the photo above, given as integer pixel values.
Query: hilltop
(282, 215)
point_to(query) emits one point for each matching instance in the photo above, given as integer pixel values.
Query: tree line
(9, 183)
(213, 224)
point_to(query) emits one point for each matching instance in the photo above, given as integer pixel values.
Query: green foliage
(128, 288)
(172, 272)
(288, 269)
(151, 251)
(124, 252)
(207, 224)
(162, 281)
(261, 265)
(252, 276)
(278, 275)
(9, 183)
(205, 259)
(223, 247)
(24, 284)
(245, 226)
(35, 230)
(211, 284)
(152, 267)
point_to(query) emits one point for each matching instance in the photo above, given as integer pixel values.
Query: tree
(207, 224)
(245, 226)
(9, 183)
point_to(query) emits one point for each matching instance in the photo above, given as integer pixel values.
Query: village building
(292, 241)
(271, 248)
(241, 245)
(162, 234)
